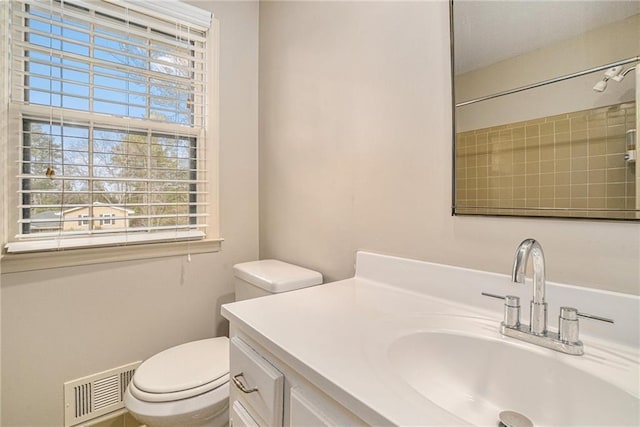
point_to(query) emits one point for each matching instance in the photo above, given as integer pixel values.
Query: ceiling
(489, 31)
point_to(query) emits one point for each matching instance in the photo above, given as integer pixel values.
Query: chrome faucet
(566, 340)
(531, 247)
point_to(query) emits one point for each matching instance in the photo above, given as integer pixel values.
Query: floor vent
(95, 395)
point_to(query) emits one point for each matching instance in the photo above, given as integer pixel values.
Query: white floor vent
(96, 395)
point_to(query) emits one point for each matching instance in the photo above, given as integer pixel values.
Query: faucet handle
(487, 294)
(511, 309)
(594, 317)
(571, 313)
(568, 323)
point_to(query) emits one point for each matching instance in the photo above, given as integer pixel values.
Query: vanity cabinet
(267, 392)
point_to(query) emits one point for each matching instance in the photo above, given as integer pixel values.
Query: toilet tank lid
(276, 276)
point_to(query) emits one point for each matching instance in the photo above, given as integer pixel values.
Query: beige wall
(602, 45)
(566, 97)
(610, 43)
(355, 152)
(65, 323)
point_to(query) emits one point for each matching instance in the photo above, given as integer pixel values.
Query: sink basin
(474, 374)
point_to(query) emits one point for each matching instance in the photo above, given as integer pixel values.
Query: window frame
(119, 251)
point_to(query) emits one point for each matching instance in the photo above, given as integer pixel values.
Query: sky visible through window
(60, 70)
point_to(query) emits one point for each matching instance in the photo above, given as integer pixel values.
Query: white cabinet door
(257, 383)
(313, 410)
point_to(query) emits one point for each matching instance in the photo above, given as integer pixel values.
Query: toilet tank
(269, 276)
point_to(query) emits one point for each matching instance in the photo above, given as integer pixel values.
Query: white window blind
(111, 103)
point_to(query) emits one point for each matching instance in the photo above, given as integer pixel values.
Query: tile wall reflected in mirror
(564, 165)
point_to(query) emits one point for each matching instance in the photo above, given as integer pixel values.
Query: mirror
(545, 108)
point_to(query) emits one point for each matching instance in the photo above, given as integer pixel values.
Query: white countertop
(334, 334)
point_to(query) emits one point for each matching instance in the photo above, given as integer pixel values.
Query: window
(109, 105)
(107, 219)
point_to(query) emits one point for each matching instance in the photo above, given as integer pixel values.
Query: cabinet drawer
(240, 417)
(263, 384)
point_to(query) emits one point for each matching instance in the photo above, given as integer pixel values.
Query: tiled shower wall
(566, 165)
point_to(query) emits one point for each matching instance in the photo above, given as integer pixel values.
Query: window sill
(14, 263)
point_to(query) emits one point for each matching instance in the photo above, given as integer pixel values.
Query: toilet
(188, 385)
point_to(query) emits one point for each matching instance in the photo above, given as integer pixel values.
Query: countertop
(326, 333)
(334, 335)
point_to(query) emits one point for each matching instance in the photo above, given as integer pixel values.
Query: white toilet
(188, 385)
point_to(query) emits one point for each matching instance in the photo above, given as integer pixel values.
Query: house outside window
(109, 103)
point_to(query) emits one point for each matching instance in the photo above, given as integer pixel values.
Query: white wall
(355, 152)
(66, 323)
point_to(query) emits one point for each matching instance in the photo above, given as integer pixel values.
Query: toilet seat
(178, 395)
(183, 371)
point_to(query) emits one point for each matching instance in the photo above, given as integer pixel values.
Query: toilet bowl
(188, 385)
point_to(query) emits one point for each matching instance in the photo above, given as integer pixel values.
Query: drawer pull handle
(242, 387)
